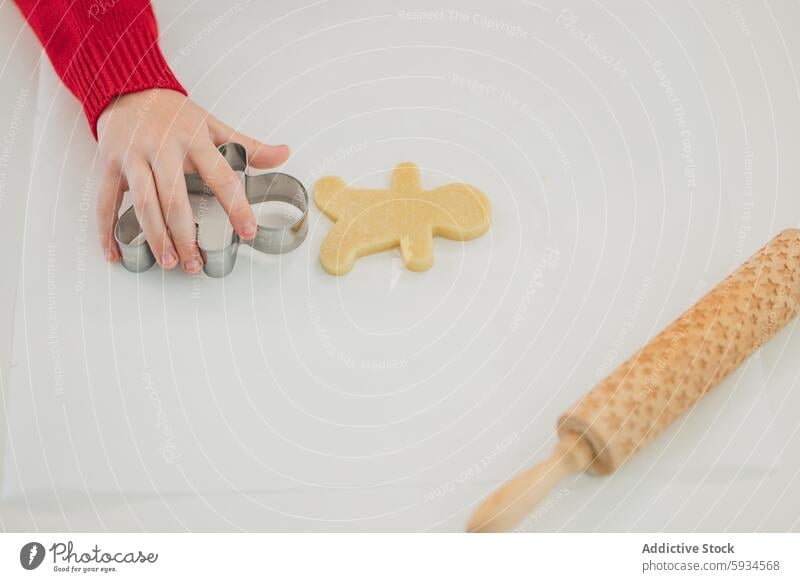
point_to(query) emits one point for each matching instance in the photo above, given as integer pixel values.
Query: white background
(283, 399)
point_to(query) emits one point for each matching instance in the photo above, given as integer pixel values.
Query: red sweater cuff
(101, 50)
(109, 67)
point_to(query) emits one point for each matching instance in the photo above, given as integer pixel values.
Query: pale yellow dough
(406, 216)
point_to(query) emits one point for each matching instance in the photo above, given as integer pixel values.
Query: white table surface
(634, 155)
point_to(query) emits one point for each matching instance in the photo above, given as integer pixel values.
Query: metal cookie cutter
(273, 187)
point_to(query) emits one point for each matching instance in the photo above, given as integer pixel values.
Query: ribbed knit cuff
(101, 49)
(113, 62)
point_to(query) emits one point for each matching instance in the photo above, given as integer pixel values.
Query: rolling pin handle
(507, 506)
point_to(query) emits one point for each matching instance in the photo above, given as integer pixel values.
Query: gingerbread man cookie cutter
(218, 262)
(404, 216)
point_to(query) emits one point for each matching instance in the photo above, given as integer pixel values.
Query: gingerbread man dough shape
(371, 220)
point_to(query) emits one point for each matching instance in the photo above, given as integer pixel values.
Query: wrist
(137, 103)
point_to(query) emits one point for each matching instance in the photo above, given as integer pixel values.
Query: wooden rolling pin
(642, 397)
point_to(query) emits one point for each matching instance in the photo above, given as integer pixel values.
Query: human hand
(148, 141)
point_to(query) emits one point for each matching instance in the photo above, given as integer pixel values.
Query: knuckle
(239, 213)
(187, 135)
(158, 164)
(109, 158)
(150, 139)
(140, 201)
(106, 220)
(163, 243)
(177, 208)
(196, 144)
(156, 243)
(137, 178)
(104, 205)
(223, 179)
(186, 247)
(106, 230)
(167, 160)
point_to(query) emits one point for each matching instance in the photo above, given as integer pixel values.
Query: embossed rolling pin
(661, 381)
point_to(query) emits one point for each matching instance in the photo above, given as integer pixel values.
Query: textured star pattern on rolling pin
(659, 383)
(405, 216)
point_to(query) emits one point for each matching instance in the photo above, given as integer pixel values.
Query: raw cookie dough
(406, 216)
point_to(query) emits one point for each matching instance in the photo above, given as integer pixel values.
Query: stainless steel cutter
(272, 187)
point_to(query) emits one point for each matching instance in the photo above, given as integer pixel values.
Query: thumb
(259, 155)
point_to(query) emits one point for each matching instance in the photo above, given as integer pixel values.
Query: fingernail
(249, 230)
(168, 259)
(192, 265)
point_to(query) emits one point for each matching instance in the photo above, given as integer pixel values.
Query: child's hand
(148, 141)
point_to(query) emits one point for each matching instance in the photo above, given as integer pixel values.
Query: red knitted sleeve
(101, 48)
